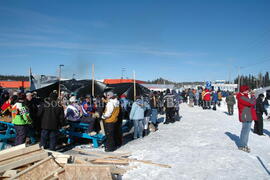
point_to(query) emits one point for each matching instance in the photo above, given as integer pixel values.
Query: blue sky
(178, 40)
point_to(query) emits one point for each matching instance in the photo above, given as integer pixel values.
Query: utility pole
(93, 80)
(134, 79)
(239, 79)
(59, 87)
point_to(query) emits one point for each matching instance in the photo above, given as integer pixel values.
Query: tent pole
(93, 80)
(134, 79)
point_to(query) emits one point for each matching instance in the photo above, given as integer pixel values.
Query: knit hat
(244, 88)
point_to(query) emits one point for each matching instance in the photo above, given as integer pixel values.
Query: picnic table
(7, 131)
(79, 130)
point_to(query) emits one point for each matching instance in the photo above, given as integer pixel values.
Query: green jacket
(230, 100)
(20, 115)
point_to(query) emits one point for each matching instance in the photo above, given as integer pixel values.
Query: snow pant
(31, 133)
(146, 122)
(258, 126)
(110, 144)
(207, 105)
(21, 133)
(191, 102)
(154, 116)
(118, 133)
(170, 114)
(214, 106)
(138, 128)
(245, 133)
(219, 102)
(51, 135)
(230, 109)
(196, 102)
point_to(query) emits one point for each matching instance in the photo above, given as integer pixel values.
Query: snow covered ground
(201, 146)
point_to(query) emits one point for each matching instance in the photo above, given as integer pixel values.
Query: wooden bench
(9, 133)
(78, 130)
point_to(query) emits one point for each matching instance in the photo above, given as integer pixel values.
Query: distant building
(225, 87)
(15, 84)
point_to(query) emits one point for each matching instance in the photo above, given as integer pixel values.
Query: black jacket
(51, 115)
(260, 106)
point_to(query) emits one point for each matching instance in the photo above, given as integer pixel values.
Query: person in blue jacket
(215, 100)
(137, 116)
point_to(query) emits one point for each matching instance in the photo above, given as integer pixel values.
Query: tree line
(254, 81)
(13, 78)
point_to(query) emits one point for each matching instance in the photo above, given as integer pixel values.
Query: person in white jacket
(110, 117)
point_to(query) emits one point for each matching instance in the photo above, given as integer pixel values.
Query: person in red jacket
(247, 114)
(207, 99)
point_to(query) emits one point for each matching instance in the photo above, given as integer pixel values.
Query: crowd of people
(41, 119)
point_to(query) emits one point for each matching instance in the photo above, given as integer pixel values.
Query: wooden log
(85, 172)
(23, 161)
(19, 152)
(9, 150)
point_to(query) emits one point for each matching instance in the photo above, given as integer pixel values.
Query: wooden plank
(39, 170)
(19, 152)
(146, 162)
(54, 173)
(12, 149)
(103, 155)
(23, 161)
(111, 161)
(9, 173)
(31, 167)
(85, 172)
(114, 169)
(20, 157)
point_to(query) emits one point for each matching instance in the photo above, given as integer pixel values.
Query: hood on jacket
(115, 102)
(244, 88)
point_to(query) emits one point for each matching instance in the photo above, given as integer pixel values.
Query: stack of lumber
(21, 162)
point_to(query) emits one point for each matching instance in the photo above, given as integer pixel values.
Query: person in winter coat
(147, 115)
(230, 100)
(110, 118)
(52, 119)
(247, 114)
(153, 102)
(169, 102)
(21, 119)
(207, 99)
(260, 109)
(34, 128)
(137, 116)
(191, 96)
(74, 113)
(214, 100)
(197, 97)
(219, 98)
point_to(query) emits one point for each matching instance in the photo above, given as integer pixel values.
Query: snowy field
(201, 146)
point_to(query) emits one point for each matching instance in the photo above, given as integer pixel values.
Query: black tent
(128, 89)
(80, 88)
